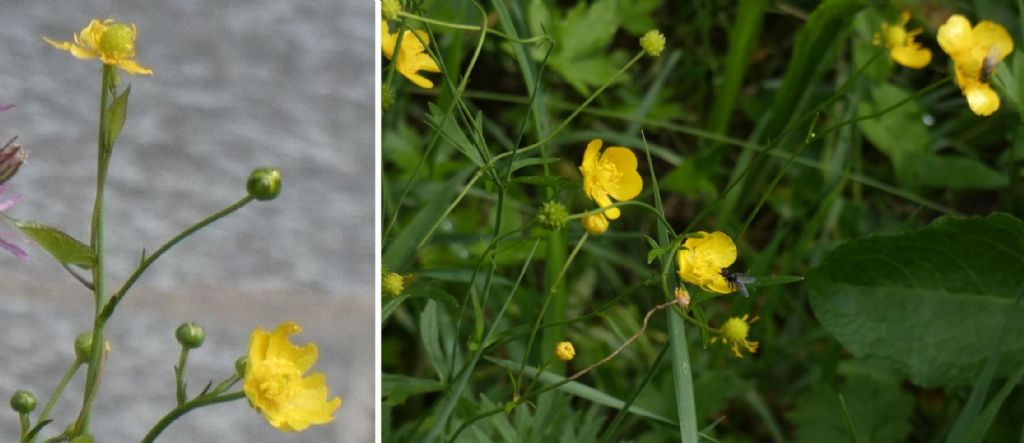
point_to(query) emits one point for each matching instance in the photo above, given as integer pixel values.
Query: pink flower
(6, 243)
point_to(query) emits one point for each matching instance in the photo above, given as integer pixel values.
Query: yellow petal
(629, 184)
(258, 345)
(416, 78)
(131, 67)
(684, 261)
(716, 247)
(989, 34)
(982, 99)
(719, 284)
(623, 158)
(590, 156)
(595, 224)
(955, 35)
(387, 40)
(912, 57)
(603, 201)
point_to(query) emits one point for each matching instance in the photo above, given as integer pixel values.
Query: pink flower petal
(6, 107)
(13, 249)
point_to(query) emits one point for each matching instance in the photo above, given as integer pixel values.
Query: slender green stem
(445, 24)
(198, 402)
(25, 424)
(543, 309)
(108, 310)
(104, 150)
(179, 376)
(59, 390)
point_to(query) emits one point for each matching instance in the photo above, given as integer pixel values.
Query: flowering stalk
(104, 149)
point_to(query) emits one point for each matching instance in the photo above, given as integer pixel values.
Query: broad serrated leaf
(948, 172)
(899, 132)
(61, 246)
(931, 301)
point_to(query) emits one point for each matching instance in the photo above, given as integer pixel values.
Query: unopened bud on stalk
(83, 347)
(12, 155)
(264, 183)
(389, 9)
(240, 365)
(190, 335)
(387, 97)
(23, 402)
(553, 215)
(653, 42)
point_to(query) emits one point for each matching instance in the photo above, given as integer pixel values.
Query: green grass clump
(781, 125)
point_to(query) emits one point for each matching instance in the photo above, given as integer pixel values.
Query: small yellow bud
(653, 43)
(389, 9)
(264, 183)
(564, 351)
(392, 284)
(595, 224)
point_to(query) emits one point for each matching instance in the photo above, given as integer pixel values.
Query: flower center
(276, 381)
(895, 36)
(608, 173)
(735, 329)
(118, 41)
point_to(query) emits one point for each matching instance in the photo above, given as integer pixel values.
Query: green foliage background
(778, 123)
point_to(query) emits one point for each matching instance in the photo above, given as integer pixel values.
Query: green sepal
(61, 246)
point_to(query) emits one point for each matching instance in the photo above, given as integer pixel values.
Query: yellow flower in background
(412, 57)
(610, 174)
(595, 224)
(702, 260)
(110, 41)
(975, 52)
(734, 335)
(564, 351)
(902, 47)
(274, 382)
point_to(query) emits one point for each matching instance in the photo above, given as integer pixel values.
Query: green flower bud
(653, 42)
(387, 97)
(190, 335)
(389, 9)
(264, 183)
(553, 215)
(118, 41)
(240, 365)
(23, 402)
(83, 346)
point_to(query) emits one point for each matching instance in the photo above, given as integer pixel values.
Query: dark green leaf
(931, 301)
(396, 388)
(117, 112)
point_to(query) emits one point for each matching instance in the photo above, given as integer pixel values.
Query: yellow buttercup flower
(564, 351)
(412, 57)
(975, 52)
(608, 175)
(274, 382)
(734, 335)
(702, 260)
(110, 41)
(902, 47)
(595, 224)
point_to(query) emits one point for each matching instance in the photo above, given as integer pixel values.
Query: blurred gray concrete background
(238, 84)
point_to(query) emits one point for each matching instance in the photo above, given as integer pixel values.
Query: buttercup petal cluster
(275, 384)
(412, 56)
(975, 52)
(902, 47)
(734, 335)
(608, 175)
(110, 41)
(702, 260)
